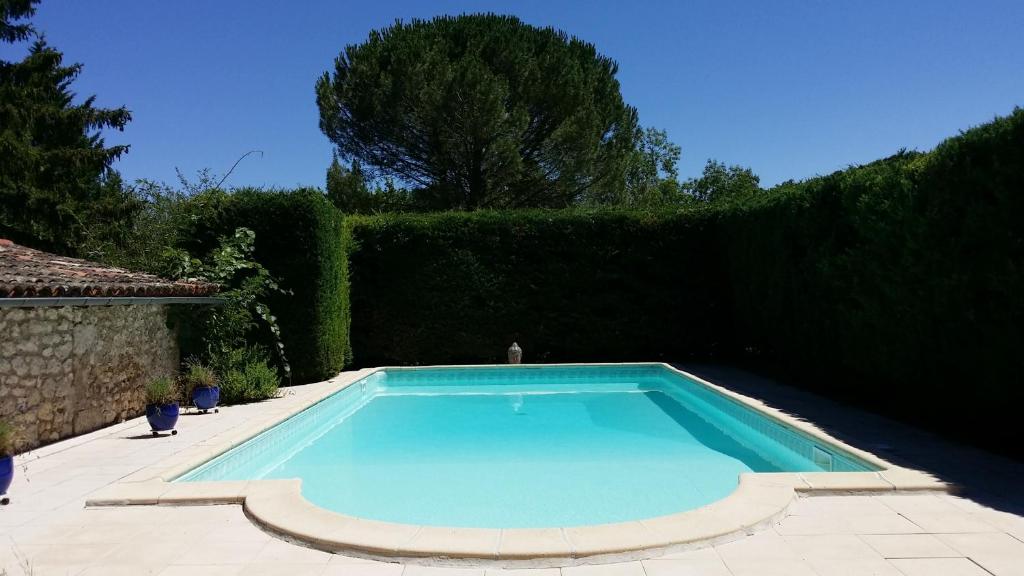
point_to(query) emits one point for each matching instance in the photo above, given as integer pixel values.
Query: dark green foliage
(299, 239)
(897, 284)
(720, 183)
(7, 439)
(11, 11)
(480, 111)
(163, 390)
(349, 191)
(142, 239)
(567, 285)
(298, 246)
(652, 174)
(198, 375)
(210, 332)
(245, 376)
(52, 158)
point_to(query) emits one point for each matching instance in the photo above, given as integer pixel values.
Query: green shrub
(251, 382)
(262, 381)
(162, 391)
(569, 285)
(198, 375)
(6, 439)
(300, 240)
(233, 387)
(896, 284)
(236, 359)
(243, 316)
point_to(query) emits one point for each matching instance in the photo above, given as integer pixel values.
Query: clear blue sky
(791, 89)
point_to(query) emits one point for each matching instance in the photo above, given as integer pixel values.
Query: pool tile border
(278, 506)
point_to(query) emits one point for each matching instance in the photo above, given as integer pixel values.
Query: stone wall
(69, 370)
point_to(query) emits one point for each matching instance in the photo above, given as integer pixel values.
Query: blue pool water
(523, 447)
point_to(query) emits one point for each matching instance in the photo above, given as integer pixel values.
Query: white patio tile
(524, 572)
(201, 571)
(416, 570)
(1000, 565)
(837, 505)
(144, 551)
(765, 545)
(280, 552)
(877, 567)
(620, 569)
(283, 570)
(938, 567)
(710, 565)
(746, 567)
(220, 553)
(942, 523)
(121, 570)
(343, 559)
(910, 546)
(363, 569)
(890, 523)
(985, 544)
(832, 547)
(915, 503)
(882, 524)
(64, 555)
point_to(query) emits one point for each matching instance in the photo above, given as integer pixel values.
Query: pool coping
(278, 506)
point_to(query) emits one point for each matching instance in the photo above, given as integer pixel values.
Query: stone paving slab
(47, 530)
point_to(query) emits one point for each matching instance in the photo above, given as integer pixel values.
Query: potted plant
(203, 386)
(6, 460)
(162, 405)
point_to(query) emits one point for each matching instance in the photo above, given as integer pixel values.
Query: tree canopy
(53, 162)
(719, 183)
(480, 111)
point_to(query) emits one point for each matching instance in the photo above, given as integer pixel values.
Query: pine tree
(52, 158)
(480, 111)
(347, 188)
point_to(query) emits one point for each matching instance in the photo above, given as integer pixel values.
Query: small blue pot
(162, 416)
(6, 473)
(206, 397)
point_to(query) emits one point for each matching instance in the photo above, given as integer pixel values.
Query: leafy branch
(245, 286)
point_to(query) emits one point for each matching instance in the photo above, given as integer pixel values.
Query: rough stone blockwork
(69, 370)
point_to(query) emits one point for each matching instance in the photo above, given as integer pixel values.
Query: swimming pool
(524, 447)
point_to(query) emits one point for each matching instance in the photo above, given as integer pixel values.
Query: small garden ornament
(515, 354)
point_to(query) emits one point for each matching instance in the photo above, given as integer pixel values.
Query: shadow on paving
(986, 478)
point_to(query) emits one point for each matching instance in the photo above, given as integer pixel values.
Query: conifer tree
(480, 111)
(53, 161)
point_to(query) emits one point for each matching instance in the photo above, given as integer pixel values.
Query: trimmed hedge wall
(567, 285)
(300, 239)
(899, 284)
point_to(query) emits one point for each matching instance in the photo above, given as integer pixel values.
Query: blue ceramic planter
(6, 473)
(162, 417)
(206, 397)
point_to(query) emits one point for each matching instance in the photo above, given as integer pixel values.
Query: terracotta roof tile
(28, 273)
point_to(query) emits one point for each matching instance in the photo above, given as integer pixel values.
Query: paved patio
(46, 529)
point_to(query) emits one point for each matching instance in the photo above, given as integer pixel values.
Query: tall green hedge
(300, 239)
(567, 285)
(899, 284)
